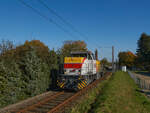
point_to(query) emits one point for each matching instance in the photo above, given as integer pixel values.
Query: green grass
(85, 103)
(121, 95)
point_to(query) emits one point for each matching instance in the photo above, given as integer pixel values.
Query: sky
(104, 23)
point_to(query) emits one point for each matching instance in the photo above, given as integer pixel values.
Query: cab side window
(90, 57)
(93, 57)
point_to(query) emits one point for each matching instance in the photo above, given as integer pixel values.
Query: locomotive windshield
(88, 55)
(79, 55)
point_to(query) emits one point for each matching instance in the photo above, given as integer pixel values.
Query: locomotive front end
(73, 71)
(80, 69)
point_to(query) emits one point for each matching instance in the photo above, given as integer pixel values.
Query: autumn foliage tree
(69, 46)
(127, 59)
(42, 50)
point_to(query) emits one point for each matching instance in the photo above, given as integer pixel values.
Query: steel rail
(41, 102)
(83, 91)
(61, 100)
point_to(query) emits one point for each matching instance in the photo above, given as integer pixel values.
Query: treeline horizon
(141, 59)
(26, 69)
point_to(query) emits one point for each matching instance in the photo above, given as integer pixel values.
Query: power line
(51, 20)
(46, 18)
(104, 47)
(62, 19)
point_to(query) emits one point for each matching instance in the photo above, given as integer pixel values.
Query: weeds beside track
(58, 102)
(121, 95)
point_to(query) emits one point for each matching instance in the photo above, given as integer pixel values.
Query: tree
(69, 46)
(41, 50)
(54, 59)
(25, 71)
(105, 62)
(36, 74)
(6, 45)
(10, 82)
(127, 59)
(143, 50)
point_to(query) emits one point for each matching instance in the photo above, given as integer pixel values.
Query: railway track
(47, 104)
(58, 102)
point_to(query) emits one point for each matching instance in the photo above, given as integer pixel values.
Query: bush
(10, 82)
(25, 71)
(35, 73)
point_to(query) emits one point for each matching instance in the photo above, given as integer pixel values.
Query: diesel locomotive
(80, 69)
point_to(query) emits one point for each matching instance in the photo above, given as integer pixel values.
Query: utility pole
(112, 58)
(96, 54)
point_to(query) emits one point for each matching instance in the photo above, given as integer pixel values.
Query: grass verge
(84, 105)
(121, 95)
(118, 94)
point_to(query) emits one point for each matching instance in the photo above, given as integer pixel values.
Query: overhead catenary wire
(62, 19)
(46, 18)
(52, 21)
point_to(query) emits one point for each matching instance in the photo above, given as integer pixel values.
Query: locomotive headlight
(79, 71)
(63, 79)
(65, 71)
